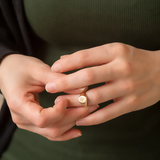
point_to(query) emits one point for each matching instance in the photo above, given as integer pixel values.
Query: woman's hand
(21, 79)
(131, 76)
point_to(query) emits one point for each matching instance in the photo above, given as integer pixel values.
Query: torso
(65, 26)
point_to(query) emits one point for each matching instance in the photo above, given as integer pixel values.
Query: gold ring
(83, 99)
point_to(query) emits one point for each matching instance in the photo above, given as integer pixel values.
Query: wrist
(5, 57)
(3, 61)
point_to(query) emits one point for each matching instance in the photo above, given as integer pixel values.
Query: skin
(131, 76)
(21, 79)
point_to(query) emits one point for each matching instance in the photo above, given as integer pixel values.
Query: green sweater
(62, 27)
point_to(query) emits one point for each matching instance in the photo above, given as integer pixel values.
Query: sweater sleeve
(6, 39)
(13, 39)
(7, 127)
(14, 32)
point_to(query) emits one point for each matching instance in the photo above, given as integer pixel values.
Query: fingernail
(93, 108)
(77, 135)
(80, 123)
(63, 56)
(56, 67)
(51, 87)
(57, 100)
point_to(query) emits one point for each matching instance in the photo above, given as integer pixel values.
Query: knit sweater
(64, 27)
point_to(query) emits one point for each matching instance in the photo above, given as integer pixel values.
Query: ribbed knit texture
(92, 23)
(65, 26)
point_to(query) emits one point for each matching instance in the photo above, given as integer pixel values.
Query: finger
(105, 114)
(18, 119)
(43, 117)
(70, 134)
(100, 94)
(73, 114)
(76, 91)
(54, 132)
(58, 128)
(82, 78)
(83, 58)
(50, 76)
(47, 75)
(64, 55)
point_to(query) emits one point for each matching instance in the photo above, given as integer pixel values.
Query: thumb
(47, 75)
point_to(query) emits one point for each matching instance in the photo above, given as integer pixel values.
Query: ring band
(83, 99)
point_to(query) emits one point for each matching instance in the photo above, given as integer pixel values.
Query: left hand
(131, 76)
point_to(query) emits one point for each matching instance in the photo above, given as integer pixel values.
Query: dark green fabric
(92, 22)
(63, 27)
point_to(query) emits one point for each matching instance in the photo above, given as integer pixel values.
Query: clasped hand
(131, 76)
(21, 79)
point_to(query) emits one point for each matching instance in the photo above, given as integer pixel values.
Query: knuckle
(128, 86)
(132, 102)
(88, 75)
(124, 69)
(120, 49)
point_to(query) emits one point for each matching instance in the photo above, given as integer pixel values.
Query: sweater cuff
(4, 51)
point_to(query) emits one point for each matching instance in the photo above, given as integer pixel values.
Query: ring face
(83, 99)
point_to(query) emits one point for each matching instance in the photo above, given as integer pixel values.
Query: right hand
(21, 79)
